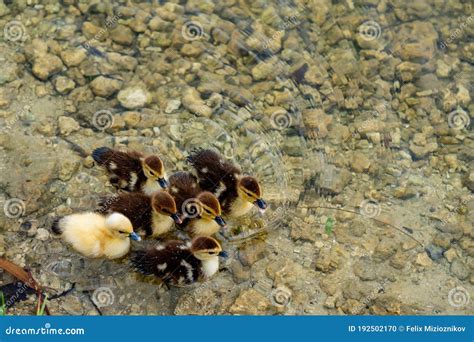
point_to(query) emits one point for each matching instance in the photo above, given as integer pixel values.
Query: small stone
(192, 101)
(459, 269)
(8, 72)
(450, 254)
(131, 118)
(122, 35)
(423, 260)
(73, 57)
(172, 106)
(333, 179)
(47, 65)
(434, 252)
(88, 162)
(468, 180)
(251, 253)
(330, 302)
(385, 249)
(5, 98)
(365, 270)
(399, 260)
(239, 272)
(67, 169)
(67, 125)
(104, 86)
(42, 234)
(134, 97)
(63, 85)
(250, 302)
(360, 162)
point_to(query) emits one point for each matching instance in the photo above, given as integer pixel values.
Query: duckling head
(121, 227)
(206, 248)
(250, 190)
(163, 203)
(154, 169)
(210, 208)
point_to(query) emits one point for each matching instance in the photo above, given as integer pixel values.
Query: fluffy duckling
(132, 171)
(154, 214)
(180, 263)
(95, 235)
(237, 193)
(201, 210)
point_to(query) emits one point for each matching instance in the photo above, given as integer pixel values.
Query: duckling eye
(122, 232)
(207, 211)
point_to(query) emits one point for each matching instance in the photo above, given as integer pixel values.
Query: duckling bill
(95, 235)
(153, 214)
(132, 171)
(180, 263)
(237, 193)
(201, 209)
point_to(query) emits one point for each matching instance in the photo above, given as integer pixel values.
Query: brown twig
(26, 278)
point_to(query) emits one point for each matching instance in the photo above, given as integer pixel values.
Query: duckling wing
(125, 168)
(183, 186)
(172, 262)
(134, 205)
(213, 170)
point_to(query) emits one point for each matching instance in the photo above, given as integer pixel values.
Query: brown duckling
(200, 210)
(95, 235)
(154, 214)
(180, 263)
(132, 171)
(237, 193)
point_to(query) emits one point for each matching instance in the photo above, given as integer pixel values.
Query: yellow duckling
(95, 235)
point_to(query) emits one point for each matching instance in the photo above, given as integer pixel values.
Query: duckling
(95, 235)
(201, 210)
(132, 171)
(180, 263)
(154, 214)
(237, 193)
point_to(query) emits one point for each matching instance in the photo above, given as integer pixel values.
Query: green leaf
(329, 225)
